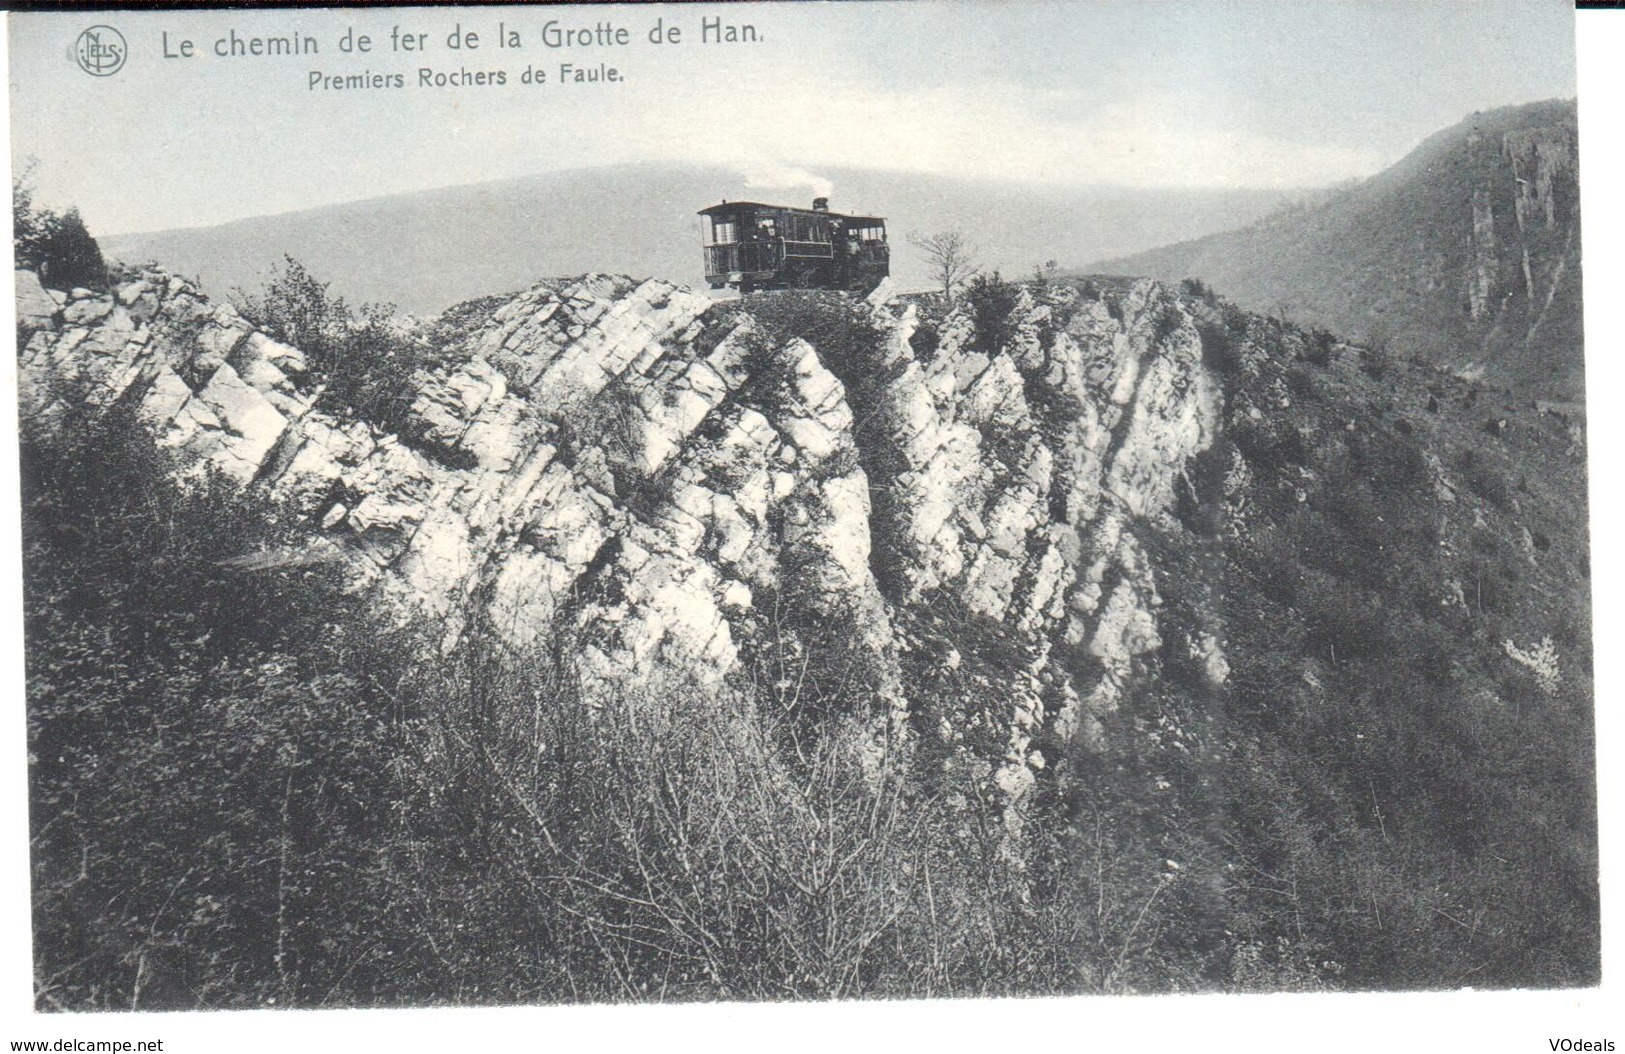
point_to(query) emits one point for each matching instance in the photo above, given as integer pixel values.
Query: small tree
(993, 304)
(297, 308)
(950, 258)
(365, 359)
(56, 244)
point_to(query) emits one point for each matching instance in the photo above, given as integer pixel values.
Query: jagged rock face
(1025, 471)
(630, 473)
(1526, 258)
(1466, 253)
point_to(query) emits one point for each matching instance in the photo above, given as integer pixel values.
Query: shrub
(1169, 319)
(298, 309)
(925, 341)
(1378, 354)
(374, 373)
(212, 717)
(993, 303)
(1218, 350)
(367, 362)
(56, 244)
(1321, 345)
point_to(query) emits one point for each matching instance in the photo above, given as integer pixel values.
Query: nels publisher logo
(100, 51)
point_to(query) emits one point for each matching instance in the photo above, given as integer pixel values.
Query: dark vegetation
(363, 356)
(56, 244)
(1401, 798)
(1379, 796)
(992, 303)
(199, 760)
(247, 792)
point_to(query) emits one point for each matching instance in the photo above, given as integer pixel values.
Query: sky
(1164, 93)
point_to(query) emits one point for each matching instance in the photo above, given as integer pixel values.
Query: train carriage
(751, 245)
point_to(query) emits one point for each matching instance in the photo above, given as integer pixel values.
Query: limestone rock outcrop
(636, 476)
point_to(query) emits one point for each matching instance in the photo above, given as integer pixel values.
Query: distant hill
(428, 250)
(1465, 252)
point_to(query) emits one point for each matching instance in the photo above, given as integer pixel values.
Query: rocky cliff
(1466, 252)
(625, 466)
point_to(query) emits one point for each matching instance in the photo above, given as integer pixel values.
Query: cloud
(994, 131)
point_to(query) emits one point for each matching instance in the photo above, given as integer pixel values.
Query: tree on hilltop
(56, 244)
(950, 257)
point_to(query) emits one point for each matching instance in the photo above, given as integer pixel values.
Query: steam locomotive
(753, 246)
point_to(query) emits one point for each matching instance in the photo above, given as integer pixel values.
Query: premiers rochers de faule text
(463, 77)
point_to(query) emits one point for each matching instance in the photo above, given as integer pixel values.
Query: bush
(56, 244)
(211, 716)
(374, 373)
(1377, 357)
(369, 365)
(1221, 347)
(1169, 319)
(1300, 382)
(993, 303)
(298, 309)
(679, 841)
(925, 340)
(1318, 350)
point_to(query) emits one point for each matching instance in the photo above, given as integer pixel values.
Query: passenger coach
(752, 246)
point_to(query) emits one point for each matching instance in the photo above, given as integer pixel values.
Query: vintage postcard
(781, 503)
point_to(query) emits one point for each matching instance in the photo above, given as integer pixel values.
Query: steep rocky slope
(1307, 625)
(1466, 252)
(605, 460)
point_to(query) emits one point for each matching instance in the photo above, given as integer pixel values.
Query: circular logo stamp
(100, 51)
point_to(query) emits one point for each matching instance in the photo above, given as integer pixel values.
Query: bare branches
(950, 257)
